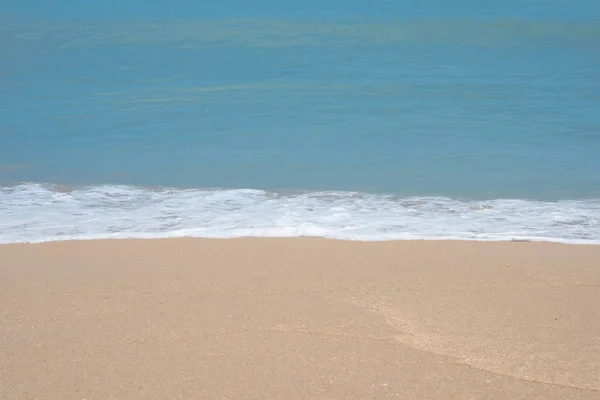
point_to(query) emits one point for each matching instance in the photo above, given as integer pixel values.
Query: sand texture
(299, 319)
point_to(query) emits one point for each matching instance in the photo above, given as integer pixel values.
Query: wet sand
(299, 319)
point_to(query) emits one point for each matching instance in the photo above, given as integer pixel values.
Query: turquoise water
(356, 120)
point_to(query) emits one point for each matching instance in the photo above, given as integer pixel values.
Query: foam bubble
(36, 213)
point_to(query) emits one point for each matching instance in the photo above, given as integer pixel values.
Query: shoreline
(332, 239)
(37, 214)
(299, 318)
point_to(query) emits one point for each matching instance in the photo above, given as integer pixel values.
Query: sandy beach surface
(299, 319)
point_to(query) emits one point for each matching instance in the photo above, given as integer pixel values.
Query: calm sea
(355, 119)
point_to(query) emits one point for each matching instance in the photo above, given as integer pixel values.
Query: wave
(34, 212)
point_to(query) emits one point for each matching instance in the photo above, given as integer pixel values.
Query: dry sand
(299, 319)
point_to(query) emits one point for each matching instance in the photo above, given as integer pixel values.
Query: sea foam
(35, 213)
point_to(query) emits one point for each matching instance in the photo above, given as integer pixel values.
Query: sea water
(361, 120)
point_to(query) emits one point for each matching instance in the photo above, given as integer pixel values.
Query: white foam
(37, 213)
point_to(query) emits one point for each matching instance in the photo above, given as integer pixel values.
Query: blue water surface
(477, 100)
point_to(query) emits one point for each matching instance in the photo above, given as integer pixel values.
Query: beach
(299, 200)
(299, 318)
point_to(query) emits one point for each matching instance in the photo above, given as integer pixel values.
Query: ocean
(358, 120)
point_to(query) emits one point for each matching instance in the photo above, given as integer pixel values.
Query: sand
(299, 319)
